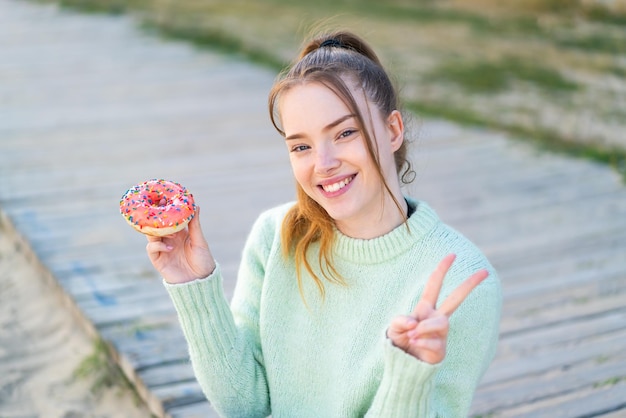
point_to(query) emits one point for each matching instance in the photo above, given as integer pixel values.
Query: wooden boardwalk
(90, 105)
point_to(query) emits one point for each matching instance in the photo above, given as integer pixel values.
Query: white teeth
(336, 186)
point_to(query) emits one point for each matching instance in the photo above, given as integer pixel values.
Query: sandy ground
(41, 347)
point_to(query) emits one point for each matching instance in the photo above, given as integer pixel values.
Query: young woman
(353, 301)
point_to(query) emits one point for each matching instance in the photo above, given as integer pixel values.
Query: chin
(339, 214)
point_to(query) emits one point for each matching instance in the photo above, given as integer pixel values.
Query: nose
(326, 160)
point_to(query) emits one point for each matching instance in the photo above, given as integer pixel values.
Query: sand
(42, 345)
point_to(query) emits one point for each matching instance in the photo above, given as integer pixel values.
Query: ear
(396, 128)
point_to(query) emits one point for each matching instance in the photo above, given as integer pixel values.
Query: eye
(300, 148)
(346, 133)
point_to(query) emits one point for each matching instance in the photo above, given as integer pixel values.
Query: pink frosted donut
(157, 207)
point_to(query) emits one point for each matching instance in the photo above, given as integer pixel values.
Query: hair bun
(332, 43)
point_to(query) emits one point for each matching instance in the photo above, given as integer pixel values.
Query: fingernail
(169, 247)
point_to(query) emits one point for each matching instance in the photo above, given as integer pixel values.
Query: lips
(334, 187)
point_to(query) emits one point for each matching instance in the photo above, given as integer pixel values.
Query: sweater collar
(390, 245)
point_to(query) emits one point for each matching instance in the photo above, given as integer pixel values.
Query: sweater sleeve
(224, 343)
(406, 387)
(412, 388)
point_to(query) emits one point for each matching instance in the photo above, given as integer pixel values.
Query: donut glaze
(158, 207)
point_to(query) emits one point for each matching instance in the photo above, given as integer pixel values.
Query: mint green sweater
(268, 353)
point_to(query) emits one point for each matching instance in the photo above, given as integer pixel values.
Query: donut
(158, 207)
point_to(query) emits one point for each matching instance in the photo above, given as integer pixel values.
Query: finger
(196, 218)
(435, 345)
(438, 325)
(152, 238)
(433, 286)
(401, 324)
(423, 310)
(155, 247)
(196, 235)
(194, 225)
(459, 294)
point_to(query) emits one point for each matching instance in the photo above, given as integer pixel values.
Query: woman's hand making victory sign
(424, 332)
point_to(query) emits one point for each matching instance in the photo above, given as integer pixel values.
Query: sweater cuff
(203, 311)
(406, 386)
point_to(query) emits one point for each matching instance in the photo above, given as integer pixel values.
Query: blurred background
(553, 71)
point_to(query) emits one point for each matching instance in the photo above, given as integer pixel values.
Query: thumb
(195, 229)
(196, 218)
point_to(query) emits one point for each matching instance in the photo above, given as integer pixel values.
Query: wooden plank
(194, 410)
(569, 309)
(618, 412)
(166, 374)
(145, 354)
(547, 359)
(589, 403)
(527, 343)
(527, 390)
(180, 394)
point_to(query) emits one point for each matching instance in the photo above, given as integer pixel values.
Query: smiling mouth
(331, 188)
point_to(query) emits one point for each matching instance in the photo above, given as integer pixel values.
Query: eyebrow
(326, 128)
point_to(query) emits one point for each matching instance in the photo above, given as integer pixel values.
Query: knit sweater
(269, 352)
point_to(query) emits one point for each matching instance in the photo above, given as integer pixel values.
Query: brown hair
(329, 60)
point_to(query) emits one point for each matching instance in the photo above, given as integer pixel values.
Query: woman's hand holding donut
(183, 256)
(424, 332)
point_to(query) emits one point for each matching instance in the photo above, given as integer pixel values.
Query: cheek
(300, 169)
(386, 156)
(360, 157)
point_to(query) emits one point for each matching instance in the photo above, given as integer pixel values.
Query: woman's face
(330, 160)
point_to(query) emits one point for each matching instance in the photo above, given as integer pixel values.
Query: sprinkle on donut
(158, 207)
